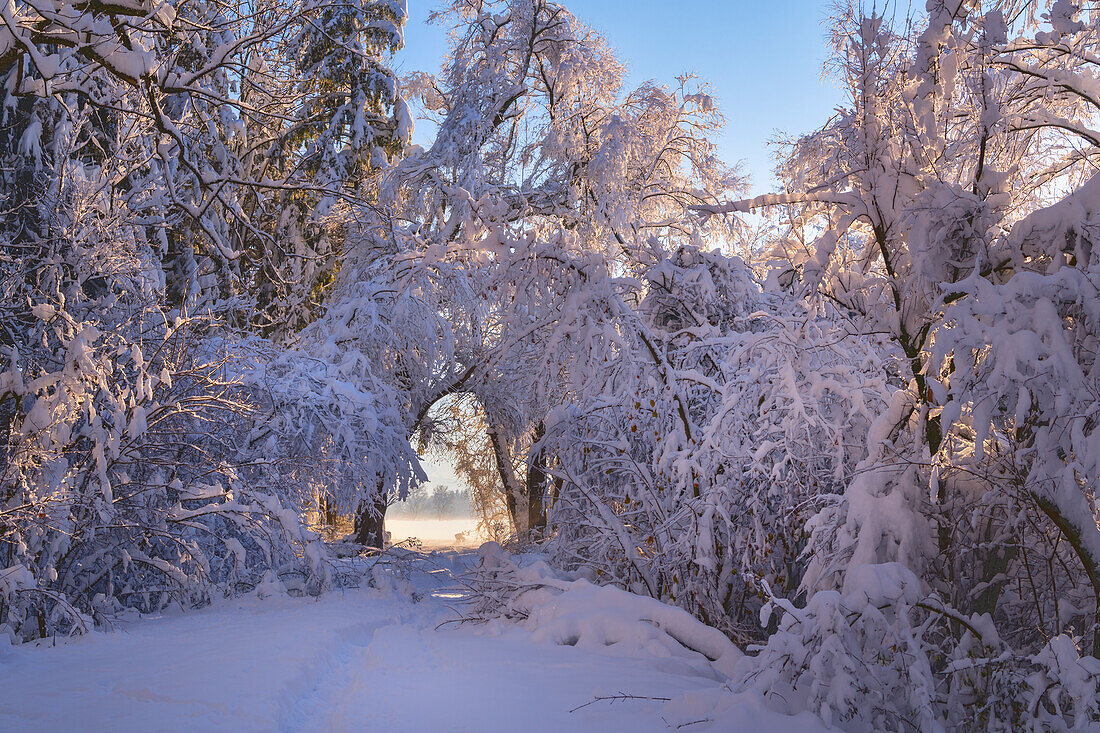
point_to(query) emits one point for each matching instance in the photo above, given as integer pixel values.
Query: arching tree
(543, 178)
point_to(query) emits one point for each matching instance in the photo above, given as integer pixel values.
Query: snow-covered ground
(363, 659)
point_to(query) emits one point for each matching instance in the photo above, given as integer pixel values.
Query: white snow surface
(361, 659)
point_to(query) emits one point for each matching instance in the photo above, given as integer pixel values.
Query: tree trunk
(513, 492)
(370, 522)
(536, 487)
(327, 508)
(1075, 535)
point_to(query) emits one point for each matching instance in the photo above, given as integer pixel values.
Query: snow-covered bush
(882, 654)
(851, 656)
(119, 475)
(679, 483)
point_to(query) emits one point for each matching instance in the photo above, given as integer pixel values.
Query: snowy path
(351, 660)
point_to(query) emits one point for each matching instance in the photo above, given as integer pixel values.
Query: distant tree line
(434, 501)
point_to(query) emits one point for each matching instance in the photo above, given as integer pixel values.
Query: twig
(617, 698)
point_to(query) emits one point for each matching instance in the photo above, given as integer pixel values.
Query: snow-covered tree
(121, 475)
(543, 178)
(168, 175)
(946, 209)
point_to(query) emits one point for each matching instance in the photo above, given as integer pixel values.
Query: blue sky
(764, 60)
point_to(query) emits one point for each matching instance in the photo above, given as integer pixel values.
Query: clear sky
(764, 60)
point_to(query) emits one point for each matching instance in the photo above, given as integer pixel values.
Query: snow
(354, 659)
(592, 616)
(404, 120)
